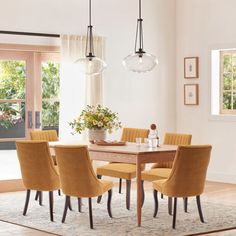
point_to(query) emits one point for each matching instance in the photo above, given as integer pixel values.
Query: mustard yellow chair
(78, 178)
(162, 170)
(37, 169)
(45, 135)
(124, 170)
(187, 177)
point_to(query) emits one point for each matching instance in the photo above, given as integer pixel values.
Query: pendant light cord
(90, 15)
(140, 11)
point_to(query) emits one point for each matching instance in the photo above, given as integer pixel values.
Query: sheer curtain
(76, 89)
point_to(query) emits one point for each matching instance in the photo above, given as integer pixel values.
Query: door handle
(37, 120)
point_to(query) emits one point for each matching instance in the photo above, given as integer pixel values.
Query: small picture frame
(191, 67)
(191, 94)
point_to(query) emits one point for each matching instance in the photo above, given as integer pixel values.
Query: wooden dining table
(129, 153)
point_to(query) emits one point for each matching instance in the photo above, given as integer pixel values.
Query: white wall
(203, 25)
(139, 99)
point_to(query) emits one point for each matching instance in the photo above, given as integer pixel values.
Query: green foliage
(96, 118)
(50, 86)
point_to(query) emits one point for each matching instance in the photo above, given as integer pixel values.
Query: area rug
(217, 216)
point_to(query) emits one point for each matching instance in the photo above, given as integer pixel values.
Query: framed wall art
(191, 94)
(191, 67)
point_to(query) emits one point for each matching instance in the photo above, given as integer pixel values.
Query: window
(228, 82)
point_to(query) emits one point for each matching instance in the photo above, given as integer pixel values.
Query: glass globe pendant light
(140, 61)
(90, 64)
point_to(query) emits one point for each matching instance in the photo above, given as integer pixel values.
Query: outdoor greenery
(50, 87)
(96, 117)
(13, 86)
(229, 82)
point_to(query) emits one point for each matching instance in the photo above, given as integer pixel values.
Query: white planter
(96, 135)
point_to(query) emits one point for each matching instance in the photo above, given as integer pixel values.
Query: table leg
(139, 191)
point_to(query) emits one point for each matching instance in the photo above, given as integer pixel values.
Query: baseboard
(221, 177)
(12, 185)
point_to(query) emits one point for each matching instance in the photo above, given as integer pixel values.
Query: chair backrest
(173, 139)
(46, 135)
(37, 168)
(177, 139)
(76, 173)
(130, 134)
(188, 174)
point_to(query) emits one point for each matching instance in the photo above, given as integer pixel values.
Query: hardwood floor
(215, 192)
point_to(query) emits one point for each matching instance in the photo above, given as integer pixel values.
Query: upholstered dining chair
(162, 170)
(45, 135)
(78, 178)
(187, 177)
(37, 169)
(124, 170)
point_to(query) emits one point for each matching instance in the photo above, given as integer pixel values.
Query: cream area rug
(217, 216)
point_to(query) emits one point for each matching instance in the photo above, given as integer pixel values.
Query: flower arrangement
(96, 118)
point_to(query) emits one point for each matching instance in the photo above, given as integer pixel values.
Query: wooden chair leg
(128, 187)
(59, 192)
(199, 209)
(120, 185)
(51, 204)
(90, 213)
(79, 205)
(99, 197)
(26, 201)
(185, 204)
(170, 205)
(67, 202)
(40, 195)
(155, 203)
(69, 206)
(143, 193)
(109, 202)
(36, 196)
(174, 214)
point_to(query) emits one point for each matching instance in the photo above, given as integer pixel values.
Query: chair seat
(118, 170)
(157, 184)
(156, 174)
(107, 185)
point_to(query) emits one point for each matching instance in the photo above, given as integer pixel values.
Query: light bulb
(140, 60)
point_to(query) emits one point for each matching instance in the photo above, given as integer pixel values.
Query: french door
(29, 98)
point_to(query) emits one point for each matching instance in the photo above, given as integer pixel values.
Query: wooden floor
(215, 192)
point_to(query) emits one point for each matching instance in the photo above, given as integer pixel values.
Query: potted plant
(97, 120)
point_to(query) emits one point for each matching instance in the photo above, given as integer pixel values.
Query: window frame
(222, 110)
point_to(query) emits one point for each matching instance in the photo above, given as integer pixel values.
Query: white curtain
(77, 90)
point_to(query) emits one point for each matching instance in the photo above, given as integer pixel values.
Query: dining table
(128, 153)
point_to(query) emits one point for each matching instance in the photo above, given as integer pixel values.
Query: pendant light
(90, 64)
(140, 61)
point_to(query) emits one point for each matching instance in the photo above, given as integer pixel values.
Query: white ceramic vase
(96, 135)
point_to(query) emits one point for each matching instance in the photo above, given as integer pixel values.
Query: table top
(129, 148)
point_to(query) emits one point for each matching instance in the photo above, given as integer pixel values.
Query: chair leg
(67, 202)
(143, 193)
(128, 187)
(51, 204)
(120, 185)
(109, 203)
(155, 203)
(162, 196)
(36, 196)
(90, 213)
(26, 201)
(170, 205)
(199, 209)
(40, 195)
(69, 206)
(79, 205)
(185, 204)
(59, 192)
(175, 211)
(99, 197)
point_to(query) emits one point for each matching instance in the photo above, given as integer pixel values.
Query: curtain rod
(30, 34)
